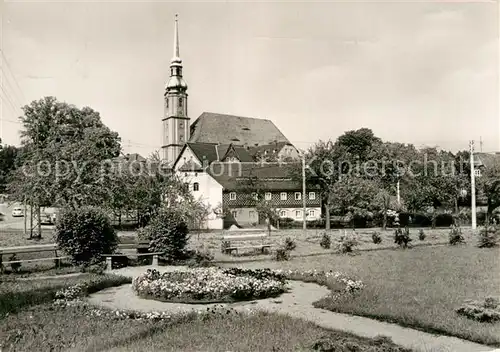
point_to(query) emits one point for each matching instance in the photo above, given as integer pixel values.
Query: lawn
(419, 287)
(42, 326)
(308, 243)
(46, 327)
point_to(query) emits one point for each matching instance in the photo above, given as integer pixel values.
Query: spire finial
(176, 37)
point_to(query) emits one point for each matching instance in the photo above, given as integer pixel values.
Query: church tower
(175, 118)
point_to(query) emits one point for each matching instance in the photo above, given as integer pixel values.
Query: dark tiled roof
(134, 157)
(273, 176)
(486, 159)
(241, 153)
(204, 151)
(261, 149)
(226, 129)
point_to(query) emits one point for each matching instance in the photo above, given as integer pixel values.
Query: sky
(416, 72)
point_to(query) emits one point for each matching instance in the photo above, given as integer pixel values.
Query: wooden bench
(231, 239)
(109, 257)
(52, 247)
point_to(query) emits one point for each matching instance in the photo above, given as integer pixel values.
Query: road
(10, 222)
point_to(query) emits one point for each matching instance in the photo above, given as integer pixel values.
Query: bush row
(417, 220)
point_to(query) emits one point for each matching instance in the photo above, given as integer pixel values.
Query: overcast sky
(414, 72)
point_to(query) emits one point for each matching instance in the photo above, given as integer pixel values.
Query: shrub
(376, 238)
(485, 311)
(290, 244)
(337, 341)
(168, 233)
(326, 241)
(200, 258)
(85, 234)
(488, 237)
(421, 234)
(224, 246)
(455, 236)
(281, 255)
(402, 238)
(347, 243)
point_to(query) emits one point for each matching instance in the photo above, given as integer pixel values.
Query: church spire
(176, 57)
(176, 83)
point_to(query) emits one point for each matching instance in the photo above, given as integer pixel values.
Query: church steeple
(176, 82)
(175, 119)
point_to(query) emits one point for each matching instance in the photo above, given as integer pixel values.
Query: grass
(309, 243)
(61, 329)
(18, 294)
(419, 287)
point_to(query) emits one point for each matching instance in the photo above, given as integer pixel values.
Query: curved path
(297, 303)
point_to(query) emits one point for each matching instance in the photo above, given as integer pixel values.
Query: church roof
(226, 129)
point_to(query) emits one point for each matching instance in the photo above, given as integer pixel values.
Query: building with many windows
(218, 154)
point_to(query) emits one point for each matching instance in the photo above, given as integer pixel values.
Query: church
(217, 152)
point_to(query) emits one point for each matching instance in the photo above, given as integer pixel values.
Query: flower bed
(337, 282)
(209, 285)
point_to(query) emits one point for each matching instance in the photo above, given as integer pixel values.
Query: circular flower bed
(209, 285)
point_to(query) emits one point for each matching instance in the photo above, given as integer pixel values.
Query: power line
(13, 76)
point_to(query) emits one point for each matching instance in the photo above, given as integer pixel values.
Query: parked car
(2, 216)
(45, 219)
(17, 212)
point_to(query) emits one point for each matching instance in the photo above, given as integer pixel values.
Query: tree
(64, 151)
(8, 162)
(358, 144)
(489, 184)
(353, 196)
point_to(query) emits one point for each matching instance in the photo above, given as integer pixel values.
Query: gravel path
(297, 303)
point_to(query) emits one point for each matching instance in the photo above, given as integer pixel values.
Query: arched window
(196, 186)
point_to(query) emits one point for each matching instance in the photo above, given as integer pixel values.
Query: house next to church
(217, 153)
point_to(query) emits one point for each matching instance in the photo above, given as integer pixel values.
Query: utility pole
(480, 144)
(472, 185)
(304, 225)
(397, 192)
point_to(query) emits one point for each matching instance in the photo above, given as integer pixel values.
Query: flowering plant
(209, 285)
(336, 281)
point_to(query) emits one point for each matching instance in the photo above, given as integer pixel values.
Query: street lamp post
(304, 225)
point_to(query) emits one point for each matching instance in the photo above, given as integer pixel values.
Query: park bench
(232, 243)
(52, 247)
(134, 246)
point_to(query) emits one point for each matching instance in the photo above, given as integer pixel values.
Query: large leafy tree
(489, 184)
(353, 196)
(64, 148)
(8, 162)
